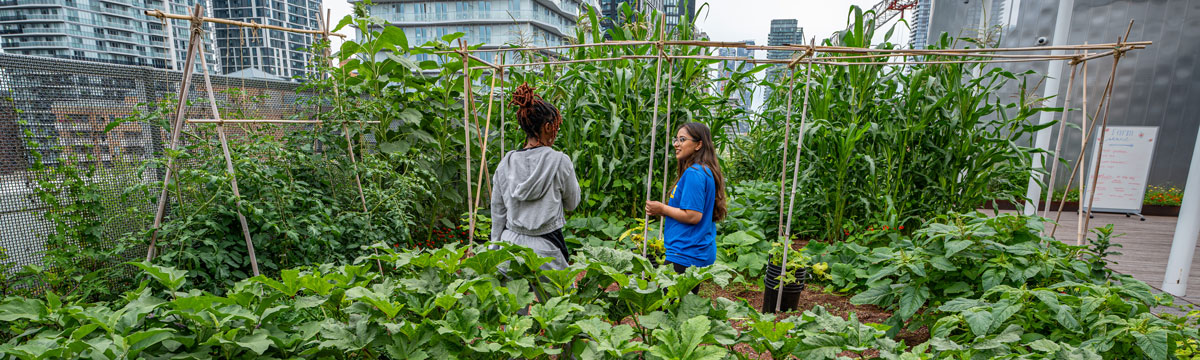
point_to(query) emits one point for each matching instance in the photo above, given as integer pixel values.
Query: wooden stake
(483, 152)
(787, 239)
(162, 15)
(653, 131)
(324, 27)
(264, 121)
(185, 85)
(466, 60)
(1062, 129)
(662, 230)
(787, 134)
(1100, 147)
(212, 102)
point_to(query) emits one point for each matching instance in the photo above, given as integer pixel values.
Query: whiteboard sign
(1121, 185)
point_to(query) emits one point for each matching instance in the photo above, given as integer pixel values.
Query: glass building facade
(109, 31)
(273, 52)
(493, 23)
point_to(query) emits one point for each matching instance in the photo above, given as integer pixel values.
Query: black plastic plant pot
(791, 292)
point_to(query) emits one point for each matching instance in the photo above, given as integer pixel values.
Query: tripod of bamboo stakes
(807, 55)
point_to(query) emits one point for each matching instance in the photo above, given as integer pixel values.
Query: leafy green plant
(1091, 320)
(1099, 249)
(963, 256)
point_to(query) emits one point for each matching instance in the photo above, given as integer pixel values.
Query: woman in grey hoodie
(534, 186)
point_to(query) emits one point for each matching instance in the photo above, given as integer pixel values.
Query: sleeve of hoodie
(499, 212)
(570, 188)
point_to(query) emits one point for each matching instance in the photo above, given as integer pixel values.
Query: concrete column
(1062, 25)
(1187, 229)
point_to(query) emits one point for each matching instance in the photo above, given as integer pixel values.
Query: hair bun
(523, 96)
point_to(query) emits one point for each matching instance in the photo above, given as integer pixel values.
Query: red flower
(847, 233)
(901, 227)
(885, 227)
(871, 228)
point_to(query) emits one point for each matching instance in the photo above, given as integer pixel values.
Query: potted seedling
(792, 279)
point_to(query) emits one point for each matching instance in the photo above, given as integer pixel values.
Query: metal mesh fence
(62, 110)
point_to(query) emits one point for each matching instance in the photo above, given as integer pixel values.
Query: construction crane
(885, 11)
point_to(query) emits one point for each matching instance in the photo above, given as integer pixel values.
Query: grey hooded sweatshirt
(531, 190)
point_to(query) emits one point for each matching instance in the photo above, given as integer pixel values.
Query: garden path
(1144, 251)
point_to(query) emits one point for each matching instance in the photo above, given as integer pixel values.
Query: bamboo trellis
(808, 56)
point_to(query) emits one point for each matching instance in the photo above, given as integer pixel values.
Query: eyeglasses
(682, 139)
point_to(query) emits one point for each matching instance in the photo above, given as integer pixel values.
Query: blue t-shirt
(693, 245)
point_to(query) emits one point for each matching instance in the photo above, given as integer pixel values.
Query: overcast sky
(736, 20)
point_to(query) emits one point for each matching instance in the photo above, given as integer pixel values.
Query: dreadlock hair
(707, 156)
(533, 113)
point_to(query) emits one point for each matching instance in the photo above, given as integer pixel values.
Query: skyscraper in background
(783, 32)
(744, 98)
(108, 31)
(493, 23)
(610, 10)
(920, 25)
(678, 11)
(264, 53)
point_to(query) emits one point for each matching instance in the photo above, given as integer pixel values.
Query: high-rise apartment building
(783, 32)
(744, 97)
(678, 11)
(675, 11)
(109, 31)
(493, 23)
(266, 53)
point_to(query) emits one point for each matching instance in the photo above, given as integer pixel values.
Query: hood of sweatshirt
(532, 173)
(534, 187)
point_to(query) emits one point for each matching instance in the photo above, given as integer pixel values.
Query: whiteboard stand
(1128, 153)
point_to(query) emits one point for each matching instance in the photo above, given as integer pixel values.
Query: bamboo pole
(787, 240)
(212, 101)
(1035, 58)
(185, 85)
(534, 48)
(263, 121)
(502, 138)
(653, 132)
(485, 63)
(1085, 136)
(787, 134)
(324, 27)
(823, 49)
(483, 153)
(163, 15)
(1088, 134)
(662, 230)
(1104, 130)
(466, 60)
(1062, 129)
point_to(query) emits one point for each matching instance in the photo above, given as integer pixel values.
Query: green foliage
(1110, 321)
(436, 303)
(1099, 249)
(924, 139)
(959, 256)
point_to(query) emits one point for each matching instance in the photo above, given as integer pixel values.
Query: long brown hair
(706, 156)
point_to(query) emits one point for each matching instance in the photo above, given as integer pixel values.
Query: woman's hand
(654, 208)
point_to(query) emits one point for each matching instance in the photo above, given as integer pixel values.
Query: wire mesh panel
(66, 113)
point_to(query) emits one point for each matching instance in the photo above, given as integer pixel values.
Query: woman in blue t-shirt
(697, 200)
